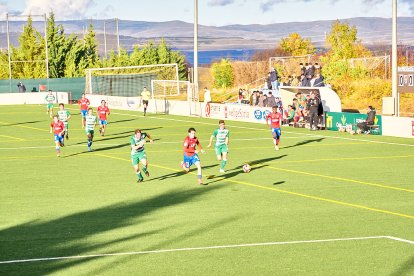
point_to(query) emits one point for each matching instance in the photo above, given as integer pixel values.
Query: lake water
(207, 57)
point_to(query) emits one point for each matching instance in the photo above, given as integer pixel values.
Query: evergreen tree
(30, 54)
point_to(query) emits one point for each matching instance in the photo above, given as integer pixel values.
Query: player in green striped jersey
(137, 142)
(222, 143)
(90, 123)
(50, 99)
(64, 116)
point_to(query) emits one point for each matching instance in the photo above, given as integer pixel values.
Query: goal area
(128, 81)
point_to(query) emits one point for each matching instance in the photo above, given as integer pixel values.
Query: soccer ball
(246, 168)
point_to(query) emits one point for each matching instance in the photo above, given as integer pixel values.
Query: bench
(373, 129)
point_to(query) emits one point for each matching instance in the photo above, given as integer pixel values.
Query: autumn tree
(296, 45)
(222, 73)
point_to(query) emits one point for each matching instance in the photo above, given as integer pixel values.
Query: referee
(145, 94)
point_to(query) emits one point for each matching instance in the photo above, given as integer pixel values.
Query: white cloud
(220, 2)
(63, 9)
(3, 9)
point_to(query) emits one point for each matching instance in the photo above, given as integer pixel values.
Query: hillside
(179, 34)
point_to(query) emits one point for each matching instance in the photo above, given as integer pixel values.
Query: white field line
(97, 143)
(305, 134)
(202, 248)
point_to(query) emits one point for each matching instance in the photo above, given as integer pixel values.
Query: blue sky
(211, 12)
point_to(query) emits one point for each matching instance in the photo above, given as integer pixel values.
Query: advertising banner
(337, 120)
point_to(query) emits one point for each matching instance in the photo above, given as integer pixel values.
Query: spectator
(295, 80)
(369, 121)
(271, 101)
(268, 84)
(318, 81)
(318, 68)
(302, 69)
(273, 79)
(303, 81)
(279, 104)
(240, 98)
(21, 87)
(313, 111)
(290, 115)
(262, 99)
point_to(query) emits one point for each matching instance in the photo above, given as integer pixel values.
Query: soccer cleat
(276, 147)
(89, 149)
(222, 171)
(67, 137)
(147, 173)
(200, 182)
(58, 155)
(140, 180)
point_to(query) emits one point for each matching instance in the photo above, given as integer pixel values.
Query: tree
(59, 45)
(30, 55)
(344, 45)
(296, 45)
(222, 73)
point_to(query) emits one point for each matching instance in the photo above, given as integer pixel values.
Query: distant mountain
(179, 34)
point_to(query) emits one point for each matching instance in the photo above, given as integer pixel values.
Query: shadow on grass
(179, 172)
(70, 235)
(121, 121)
(305, 142)
(256, 165)
(21, 123)
(407, 268)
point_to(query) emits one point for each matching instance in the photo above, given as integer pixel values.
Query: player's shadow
(305, 142)
(256, 165)
(21, 123)
(112, 147)
(178, 173)
(121, 121)
(407, 268)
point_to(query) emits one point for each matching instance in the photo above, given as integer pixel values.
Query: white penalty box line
(204, 248)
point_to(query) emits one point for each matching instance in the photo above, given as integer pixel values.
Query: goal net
(290, 64)
(164, 90)
(377, 66)
(128, 81)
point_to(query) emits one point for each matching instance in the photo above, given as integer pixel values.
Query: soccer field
(326, 203)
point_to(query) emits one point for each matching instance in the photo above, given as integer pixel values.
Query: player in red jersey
(84, 105)
(58, 128)
(103, 111)
(190, 154)
(275, 119)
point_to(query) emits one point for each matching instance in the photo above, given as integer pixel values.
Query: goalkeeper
(145, 95)
(138, 154)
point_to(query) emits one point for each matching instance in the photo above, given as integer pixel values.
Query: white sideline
(203, 248)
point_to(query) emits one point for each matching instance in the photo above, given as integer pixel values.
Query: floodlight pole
(195, 78)
(394, 59)
(8, 46)
(46, 50)
(117, 36)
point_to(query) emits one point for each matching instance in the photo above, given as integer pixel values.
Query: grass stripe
(337, 202)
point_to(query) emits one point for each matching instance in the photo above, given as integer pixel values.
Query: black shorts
(145, 102)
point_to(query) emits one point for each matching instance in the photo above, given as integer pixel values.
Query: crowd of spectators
(305, 110)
